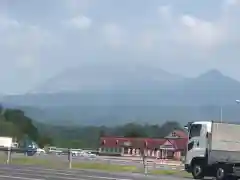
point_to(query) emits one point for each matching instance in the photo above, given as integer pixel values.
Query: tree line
(14, 123)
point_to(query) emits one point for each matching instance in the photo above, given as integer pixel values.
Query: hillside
(169, 98)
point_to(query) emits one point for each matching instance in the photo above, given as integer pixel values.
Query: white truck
(213, 150)
(6, 142)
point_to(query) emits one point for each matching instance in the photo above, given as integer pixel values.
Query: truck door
(196, 142)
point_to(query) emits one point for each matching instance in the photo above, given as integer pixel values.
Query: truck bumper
(236, 171)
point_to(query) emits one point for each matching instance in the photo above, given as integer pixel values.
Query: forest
(14, 123)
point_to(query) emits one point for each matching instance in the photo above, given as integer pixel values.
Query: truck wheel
(221, 174)
(197, 171)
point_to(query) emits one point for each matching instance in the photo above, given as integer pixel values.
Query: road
(14, 172)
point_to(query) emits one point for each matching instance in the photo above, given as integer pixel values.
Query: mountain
(211, 88)
(145, 94)
(108, 77)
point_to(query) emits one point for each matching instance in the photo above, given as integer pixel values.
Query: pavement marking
(19, 177)
(56, 172)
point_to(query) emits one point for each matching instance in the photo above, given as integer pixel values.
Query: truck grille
(236, 170)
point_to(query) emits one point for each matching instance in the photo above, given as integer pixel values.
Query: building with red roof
(172, 146)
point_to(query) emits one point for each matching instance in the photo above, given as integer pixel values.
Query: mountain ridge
(183, 99)
(92, 77)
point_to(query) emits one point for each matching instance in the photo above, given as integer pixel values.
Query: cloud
(22, 41)
(72, 32)
(147, 40)
(6, 23)
(114, 34)
(190, 30)
(228, 3)
(77, 6)
(79, 22)
(200, 32)
(165, 11)
(21, 47)
(22, 44)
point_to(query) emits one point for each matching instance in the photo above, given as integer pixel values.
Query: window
(145, 144)
(103, 142)
(174, 134)
(190, 145)
(195, 130)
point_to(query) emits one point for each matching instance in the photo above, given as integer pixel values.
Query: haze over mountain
(109, 76)
(142, 94)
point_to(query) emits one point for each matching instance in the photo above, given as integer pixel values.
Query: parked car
(40, 151)
(87, 154)
(75, 153)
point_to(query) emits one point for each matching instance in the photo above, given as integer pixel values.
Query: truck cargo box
(224, 143)
(5, 141)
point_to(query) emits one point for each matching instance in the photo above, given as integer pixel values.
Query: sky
(41, 38)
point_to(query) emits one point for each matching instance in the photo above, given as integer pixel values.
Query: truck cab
(213, 150)
(197, 142)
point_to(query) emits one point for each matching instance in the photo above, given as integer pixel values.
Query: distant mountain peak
(108, 77)
(213, 74)
(216, 78)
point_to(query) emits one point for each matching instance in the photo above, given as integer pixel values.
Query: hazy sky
(40, 38)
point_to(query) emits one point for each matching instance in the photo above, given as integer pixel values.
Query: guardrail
(30, 152)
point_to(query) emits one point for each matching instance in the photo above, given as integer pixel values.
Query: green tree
(22, 122)
(14, 123)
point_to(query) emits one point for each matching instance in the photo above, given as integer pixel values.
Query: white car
(89, 155)
(75, 153)
(40, 151)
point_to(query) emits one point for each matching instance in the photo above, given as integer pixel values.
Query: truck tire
(197, 171)
(221, 173)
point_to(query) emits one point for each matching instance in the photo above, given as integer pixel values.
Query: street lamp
(221, 113)
(237, 101)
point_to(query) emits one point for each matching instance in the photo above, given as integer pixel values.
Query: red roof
(119, 141)
(179, 144)
(151, 143)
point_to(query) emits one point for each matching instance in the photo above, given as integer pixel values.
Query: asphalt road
(14, 172)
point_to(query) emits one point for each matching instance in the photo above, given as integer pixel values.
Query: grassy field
(89, 165)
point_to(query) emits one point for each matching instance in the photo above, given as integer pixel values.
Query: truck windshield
(195, 130)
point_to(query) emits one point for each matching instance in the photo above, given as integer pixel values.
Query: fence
(69, 159)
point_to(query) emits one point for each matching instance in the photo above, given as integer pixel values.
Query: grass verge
(171, 173)
(78, 165)
(93, 166)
